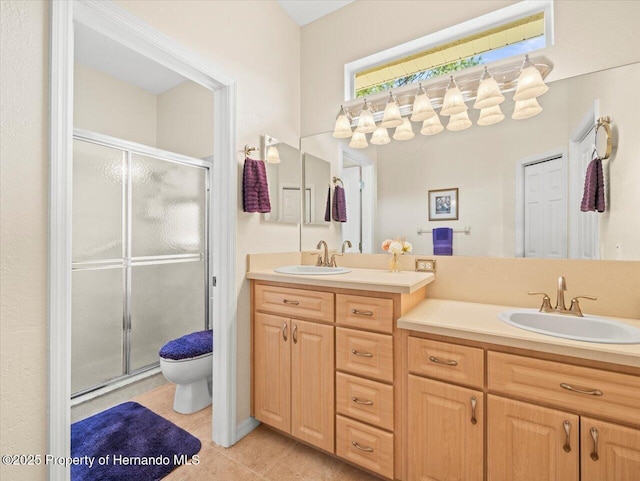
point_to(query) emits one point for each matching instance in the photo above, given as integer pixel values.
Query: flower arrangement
(395, 247)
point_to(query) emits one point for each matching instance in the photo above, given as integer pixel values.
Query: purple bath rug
(128, 443)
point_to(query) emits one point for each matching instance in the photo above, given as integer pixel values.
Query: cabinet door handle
(474, 403)
(446, 362)
(284, 332)
(567, 442)
(366, 402)
(361, 354)
(590, 392)
(293, 303)
(594, 436)
(361, 313)
(294, 334)
(362, 448)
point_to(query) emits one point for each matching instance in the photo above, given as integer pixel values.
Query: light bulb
(422, 108)
(380, 137)
(526, 109)
(490, 115)
(342, 129)
(358, 141)
(459, 122)
(488, 92)
(273, 156)
(391, 117)
(366, 124)
(405, 131)
(453, 102)
(431, 126)
(530, 83)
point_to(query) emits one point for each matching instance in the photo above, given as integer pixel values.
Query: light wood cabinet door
(272, 371)
(530, 443)
(312, 383)
(444, 442)
(609, 452)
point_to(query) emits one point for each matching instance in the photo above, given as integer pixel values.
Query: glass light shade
(358, 141)
(422, 108)
(342, 129)
(273, 156)
(488, 94)
(459, 122)
(530, 84)
(380, 136)
(453, 102)
(490, 116)
(404, 132)
(525, 109)
(366, 124)
(391, 117)
(431, 126)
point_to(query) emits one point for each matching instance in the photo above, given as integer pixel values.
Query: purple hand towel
(339, 205)
(593, 196)
(443, 241)
(255, 190)
(327, 210)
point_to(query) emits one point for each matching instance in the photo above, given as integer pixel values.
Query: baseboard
(246, 426)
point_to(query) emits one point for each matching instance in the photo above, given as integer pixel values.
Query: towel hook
(338, 179)
(604, 122)
(248, 150)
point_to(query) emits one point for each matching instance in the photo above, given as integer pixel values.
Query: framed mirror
(284, 174)
(318, 188)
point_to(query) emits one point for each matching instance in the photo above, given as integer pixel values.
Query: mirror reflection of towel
(327, 210)
(339, 205)
(255, 190)
(443, 241)
(593, 196)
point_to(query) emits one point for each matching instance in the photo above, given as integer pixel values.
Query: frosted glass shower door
(168, 263)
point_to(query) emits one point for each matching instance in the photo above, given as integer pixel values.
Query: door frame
(120, 25)
(519, 191)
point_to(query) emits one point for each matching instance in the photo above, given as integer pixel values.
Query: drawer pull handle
(474, 403)
(361, 354)
(366, 402)
(294, 334)
(592, 392)
(567, 442)
(594, 435)
(361, 313)
(445, 362)
(284, 332)
(362, 448)
(293, 303)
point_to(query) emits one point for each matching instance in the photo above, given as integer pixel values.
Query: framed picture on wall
(443, 204)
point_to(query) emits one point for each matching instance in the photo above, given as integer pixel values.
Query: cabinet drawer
(365, 353)
(368, 401)
(583, 389)
(449, 362)
(364, 313)
(298, 303)
(365, 446)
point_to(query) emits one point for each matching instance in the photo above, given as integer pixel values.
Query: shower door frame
(128, 261)
(124, 27)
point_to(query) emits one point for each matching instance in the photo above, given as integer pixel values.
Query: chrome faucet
(323, 260)
(561, 308)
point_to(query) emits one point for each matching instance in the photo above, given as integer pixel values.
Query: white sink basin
(312, 270)
(587, 328)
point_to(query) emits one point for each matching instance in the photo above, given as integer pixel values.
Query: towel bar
(466, 231)
(604, 122)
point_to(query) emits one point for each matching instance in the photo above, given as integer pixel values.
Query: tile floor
(263, 455)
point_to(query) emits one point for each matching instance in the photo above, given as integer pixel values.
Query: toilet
(188, 363)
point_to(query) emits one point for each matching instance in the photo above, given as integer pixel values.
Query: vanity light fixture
(391, 117)
(490, 115)
(342, 129)
(526, 109)
(453, 102)
(380, 137)
(366, 124)
(422, 108)
(404, 131)
(273, 156)
(432, 126)
(489, 93)
(530, 83)
(358, 141)
(459, 122)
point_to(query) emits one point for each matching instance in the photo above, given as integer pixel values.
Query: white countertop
(479, 322)
(405, 282)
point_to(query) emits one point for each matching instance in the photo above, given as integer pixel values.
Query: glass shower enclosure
(140, 256)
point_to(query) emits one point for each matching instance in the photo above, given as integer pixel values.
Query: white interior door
(290, 205)
(352, 229)
(545, 216)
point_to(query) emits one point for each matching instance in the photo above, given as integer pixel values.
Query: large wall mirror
(519, 182)
(284, 173)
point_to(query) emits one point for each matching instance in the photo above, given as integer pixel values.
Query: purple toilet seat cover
(185, 347)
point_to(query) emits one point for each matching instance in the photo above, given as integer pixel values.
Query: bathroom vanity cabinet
(351, 407)
(546, 418)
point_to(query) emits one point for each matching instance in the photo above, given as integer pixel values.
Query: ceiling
(306, 11)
